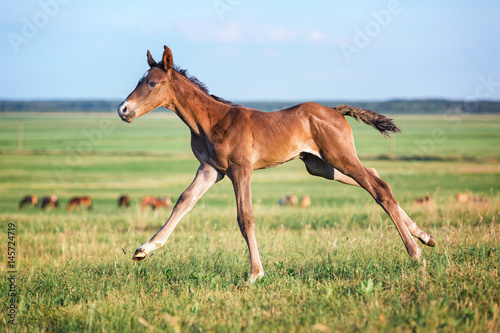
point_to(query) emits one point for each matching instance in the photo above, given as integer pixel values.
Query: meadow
(337, 266)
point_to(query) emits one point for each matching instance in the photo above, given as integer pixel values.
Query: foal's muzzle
(124, 113)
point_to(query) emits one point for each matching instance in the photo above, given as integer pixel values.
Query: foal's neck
(197, 109)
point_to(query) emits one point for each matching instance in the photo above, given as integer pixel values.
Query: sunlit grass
(337, 266)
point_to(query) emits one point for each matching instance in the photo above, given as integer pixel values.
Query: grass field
(338, 266)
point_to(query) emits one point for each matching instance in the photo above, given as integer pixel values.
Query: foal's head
(152, 91)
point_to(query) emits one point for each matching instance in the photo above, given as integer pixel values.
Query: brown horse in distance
(50, 202)
(28, 200)
(155, 202)
(289, 200)
(124, 201)
(233, 141)
(305, 202)
(76, 202)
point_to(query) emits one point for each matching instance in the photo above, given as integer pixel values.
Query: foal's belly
(274, 156)
(280, 149)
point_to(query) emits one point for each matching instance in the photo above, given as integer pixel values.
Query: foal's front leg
(206, 176)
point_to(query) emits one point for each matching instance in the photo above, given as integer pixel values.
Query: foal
(233, 141)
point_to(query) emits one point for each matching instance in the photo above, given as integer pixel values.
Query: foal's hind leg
(414, 229)
(318, 167)
(337, 149)
(382, 194)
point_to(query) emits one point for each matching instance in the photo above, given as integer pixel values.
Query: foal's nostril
(124, 110)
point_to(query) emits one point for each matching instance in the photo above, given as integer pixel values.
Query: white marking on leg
(149, 247)
(413, 227)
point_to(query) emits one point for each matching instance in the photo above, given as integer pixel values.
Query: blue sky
(254, 49)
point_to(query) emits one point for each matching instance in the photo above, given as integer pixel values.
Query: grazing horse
(124, 201)
(423, 200)
(305, 202)
(79, 201)
(51, 201)
(462, 197)
(147, 201)
(289, 200)
(155, 203)
(162, 202)
(29, 199)
(233, 141)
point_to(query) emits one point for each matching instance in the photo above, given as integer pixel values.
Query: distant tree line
(58, 106)
(424, 106)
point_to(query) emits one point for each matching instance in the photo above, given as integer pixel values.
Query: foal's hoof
(255, 277)
(431, 241)
(139, 255)
(415, 254)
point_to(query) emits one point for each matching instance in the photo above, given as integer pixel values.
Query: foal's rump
(310, 131)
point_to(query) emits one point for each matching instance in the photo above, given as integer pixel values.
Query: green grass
(338, 266)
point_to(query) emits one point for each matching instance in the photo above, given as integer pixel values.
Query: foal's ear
(151, 62)
(168, 60)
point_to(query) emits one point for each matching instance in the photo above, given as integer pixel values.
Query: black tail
(375, 120)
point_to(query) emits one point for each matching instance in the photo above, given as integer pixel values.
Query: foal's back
(280, 136)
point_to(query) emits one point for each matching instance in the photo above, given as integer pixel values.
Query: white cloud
(231, 32)
(317, 36)
(268, 34)
(209, 32)
(281, 35)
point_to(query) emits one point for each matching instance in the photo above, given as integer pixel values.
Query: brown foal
(233, 141)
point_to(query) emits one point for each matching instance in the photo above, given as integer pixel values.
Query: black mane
(201, 85)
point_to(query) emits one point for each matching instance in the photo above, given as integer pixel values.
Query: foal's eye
(152, 84)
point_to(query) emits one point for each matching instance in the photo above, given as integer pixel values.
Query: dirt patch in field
(471, 169)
